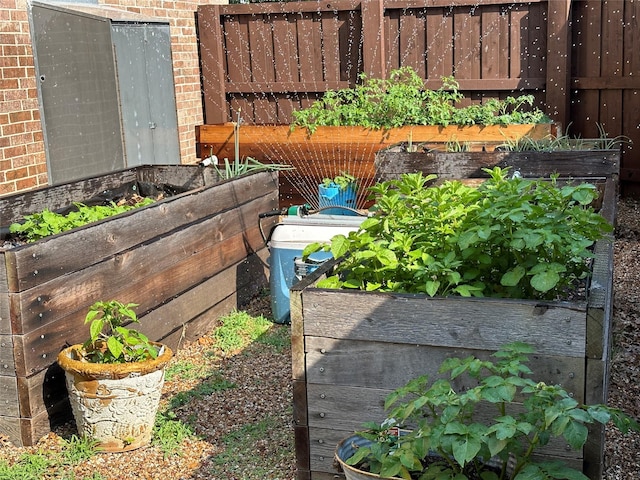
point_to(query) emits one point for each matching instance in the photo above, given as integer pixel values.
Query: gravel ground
(262, 396)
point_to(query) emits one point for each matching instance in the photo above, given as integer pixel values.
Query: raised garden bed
(331, 150)
(351, 348)
(185, 260)
(395, 160)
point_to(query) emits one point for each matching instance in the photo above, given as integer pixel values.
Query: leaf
(432, 287)
(339, 246)
(115, 347)
(576, 434)
(95, 328)
(465, 449)
(513, 276)
(545, 281)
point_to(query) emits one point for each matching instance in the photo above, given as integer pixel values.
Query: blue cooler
(287, 242)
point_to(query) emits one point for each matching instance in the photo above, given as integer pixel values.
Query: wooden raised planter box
(393, 161)
(331, 150)
(186, 260)
(351, 348)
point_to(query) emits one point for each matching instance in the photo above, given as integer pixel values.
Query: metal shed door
(146, 89)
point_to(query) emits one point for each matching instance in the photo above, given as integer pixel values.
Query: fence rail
(579, 58)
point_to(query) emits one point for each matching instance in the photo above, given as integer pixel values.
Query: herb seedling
(109, 340)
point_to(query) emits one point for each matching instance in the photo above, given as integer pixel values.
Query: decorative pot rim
(360, 441)
(112, 370)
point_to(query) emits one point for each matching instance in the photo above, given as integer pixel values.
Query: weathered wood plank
(7, 363)
(393, 162)
(52, 257)
(9, 397)
(197, 309)
(10, 427)
(42, 391)
(370, 364)
(5, 317)
(13, 207)
(482, 324)
(34, 428)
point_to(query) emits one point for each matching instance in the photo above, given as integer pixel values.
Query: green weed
(278, 337)
(77, 449)
(186, 371)
(169, 433)
(30, 466)
(238, 329)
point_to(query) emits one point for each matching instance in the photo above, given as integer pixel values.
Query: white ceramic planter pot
(115, 404)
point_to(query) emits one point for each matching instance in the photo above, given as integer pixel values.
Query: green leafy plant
(508, 237)
(78, 449)
(402, 99)
(556, 143)
(238, 329)
(237, 167)
(109, 340)
(342, 181)
(169, 432)
(45, 223)
(432, 431)
(30, 466)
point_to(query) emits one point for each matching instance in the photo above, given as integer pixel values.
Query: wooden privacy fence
(578, 58)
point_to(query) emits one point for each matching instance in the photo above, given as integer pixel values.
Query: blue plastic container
(287, 242)
(333, 195)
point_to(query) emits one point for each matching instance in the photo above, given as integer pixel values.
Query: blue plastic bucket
(333, 195)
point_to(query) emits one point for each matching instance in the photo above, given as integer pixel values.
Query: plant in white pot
(483, 420)
(115, 378)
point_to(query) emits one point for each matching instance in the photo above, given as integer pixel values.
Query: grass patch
(186, 370)
(248, 443)
(40, 465)
(30, 466)
(238, 329)
(78, 449)
(169, 433)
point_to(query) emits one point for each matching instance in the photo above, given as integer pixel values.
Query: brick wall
(22, 154)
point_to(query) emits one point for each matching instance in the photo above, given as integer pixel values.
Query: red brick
(16, 173)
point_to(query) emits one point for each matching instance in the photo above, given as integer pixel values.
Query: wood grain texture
(369, 364)
(482, 324)
(7, 363)
(393, 162)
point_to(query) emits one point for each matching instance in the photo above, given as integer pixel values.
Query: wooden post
(558, 61)
(212, 58)
(373, 39)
